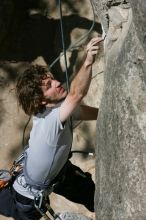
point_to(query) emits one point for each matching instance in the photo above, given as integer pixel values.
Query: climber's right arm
(80, 84)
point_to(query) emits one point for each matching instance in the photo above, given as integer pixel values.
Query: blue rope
(63, 45)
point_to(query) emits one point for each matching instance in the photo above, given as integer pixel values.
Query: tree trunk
(121, 125)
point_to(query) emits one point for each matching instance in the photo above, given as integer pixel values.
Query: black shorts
(14, 205)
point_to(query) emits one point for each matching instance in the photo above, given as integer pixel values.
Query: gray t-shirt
(49, 147)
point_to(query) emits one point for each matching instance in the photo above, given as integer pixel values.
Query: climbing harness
(38, 205)
(41, 203)
(41, 199)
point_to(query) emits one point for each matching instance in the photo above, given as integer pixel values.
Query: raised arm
(81, 82)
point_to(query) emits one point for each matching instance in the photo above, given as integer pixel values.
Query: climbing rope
(63, 45)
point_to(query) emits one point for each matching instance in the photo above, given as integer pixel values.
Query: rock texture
(121, 125)
(139, 19)
(72, 216)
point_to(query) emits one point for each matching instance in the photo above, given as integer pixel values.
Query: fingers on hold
(96, 40)
(88, 48)
(92, 48)
(95, 47)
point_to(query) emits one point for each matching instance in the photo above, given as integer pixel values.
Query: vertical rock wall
(121, 125)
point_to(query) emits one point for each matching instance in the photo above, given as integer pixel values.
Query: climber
(47, 166)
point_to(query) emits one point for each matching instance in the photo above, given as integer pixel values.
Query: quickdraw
(5, 178)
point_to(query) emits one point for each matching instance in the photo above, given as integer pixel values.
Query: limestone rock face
(121, 124)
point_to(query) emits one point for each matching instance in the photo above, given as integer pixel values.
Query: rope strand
(63, 45)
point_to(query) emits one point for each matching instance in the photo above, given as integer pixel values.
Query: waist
(22, 199)
(26, 192)
(23, 189)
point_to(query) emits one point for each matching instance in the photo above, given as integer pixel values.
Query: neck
(50, 105)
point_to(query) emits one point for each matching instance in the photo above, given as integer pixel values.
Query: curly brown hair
(28, 89)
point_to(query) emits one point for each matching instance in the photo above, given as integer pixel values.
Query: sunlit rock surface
(121, 125)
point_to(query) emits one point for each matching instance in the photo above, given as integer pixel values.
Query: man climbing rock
(46, 165)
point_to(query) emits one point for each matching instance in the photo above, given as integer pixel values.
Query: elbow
(77, 96)
(78, 93)
(82, 93)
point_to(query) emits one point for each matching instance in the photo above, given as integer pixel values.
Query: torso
(49, 147)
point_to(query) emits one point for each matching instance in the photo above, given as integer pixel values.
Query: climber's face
(53, 91)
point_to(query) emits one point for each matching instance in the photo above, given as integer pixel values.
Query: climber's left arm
(88, 113)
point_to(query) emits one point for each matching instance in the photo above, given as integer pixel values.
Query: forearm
(87, 113)
(81, 82)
